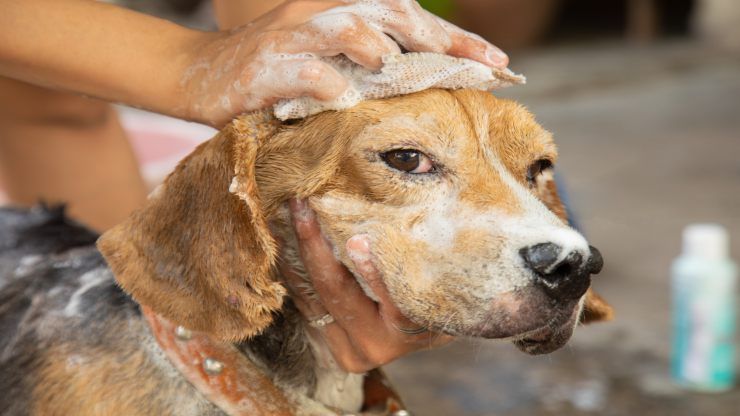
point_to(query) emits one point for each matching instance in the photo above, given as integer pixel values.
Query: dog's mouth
(535, 321)
(549, 337)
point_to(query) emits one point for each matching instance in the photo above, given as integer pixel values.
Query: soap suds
(401, 74)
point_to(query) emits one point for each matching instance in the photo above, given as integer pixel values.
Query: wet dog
(454, 190)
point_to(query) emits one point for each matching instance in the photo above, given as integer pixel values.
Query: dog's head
(454, 190)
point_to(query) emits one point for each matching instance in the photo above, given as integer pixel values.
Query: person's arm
(122, 56)
(98, 50)
(234, 13)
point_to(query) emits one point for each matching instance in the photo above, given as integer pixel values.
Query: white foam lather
(401, 74)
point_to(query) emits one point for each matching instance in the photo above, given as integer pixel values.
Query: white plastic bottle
(704, 281)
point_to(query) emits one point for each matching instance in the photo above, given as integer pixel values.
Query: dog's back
(35, 268)
(70, 338)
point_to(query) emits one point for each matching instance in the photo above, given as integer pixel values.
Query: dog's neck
(295, 360)
(283, 358)
(280, 367)
(284, 350)
(302, 365)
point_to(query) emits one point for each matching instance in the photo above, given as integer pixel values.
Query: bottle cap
(706, 240)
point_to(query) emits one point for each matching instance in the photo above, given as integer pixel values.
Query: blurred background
(643, 97)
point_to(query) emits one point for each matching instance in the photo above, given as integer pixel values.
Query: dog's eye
(536, 169)
(406, 160)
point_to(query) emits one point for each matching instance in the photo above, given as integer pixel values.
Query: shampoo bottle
(704, 280)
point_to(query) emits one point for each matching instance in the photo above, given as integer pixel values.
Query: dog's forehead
(459, 119)
(506, 128)
(423, 118)
(483, 145)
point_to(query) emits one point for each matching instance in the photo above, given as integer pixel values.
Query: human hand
(276, 56)
(364, 334)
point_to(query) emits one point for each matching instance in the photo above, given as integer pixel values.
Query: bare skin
(65, 148)
(276, 56)
(209, 78)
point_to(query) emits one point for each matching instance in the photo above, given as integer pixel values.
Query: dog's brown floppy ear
(595, 308)
(200, 251)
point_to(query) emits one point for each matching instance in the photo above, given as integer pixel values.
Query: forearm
(233, 13)
(98, 50)
(117, 55)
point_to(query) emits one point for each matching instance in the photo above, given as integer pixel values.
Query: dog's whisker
(448, 321)
(434, 336)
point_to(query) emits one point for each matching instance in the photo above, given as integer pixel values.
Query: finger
(302, 294)
(471, 46)
(358, 249)
(297, 77)
(410, 25)
(338, 290)
(343, 352)
(345, 33)
(369, 339)
(293, 13)
(333, 335)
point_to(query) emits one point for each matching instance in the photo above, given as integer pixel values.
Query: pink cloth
(158, 142)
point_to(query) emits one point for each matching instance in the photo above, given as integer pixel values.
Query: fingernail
(358, 250)
(359, 244)
(497, 57)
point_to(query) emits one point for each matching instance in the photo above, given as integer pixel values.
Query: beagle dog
(185, 313)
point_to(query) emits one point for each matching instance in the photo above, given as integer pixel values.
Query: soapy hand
(364, 334)
(277, 55)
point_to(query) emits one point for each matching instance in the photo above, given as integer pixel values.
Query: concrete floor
(650, 141)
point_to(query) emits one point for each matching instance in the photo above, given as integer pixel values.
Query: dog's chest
(303, 367)
(334, 386)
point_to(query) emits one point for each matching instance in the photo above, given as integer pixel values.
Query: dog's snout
(564, 277)
(541, 257)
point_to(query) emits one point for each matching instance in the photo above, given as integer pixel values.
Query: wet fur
(98, 357)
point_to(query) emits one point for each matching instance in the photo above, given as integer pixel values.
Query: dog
(454, 189)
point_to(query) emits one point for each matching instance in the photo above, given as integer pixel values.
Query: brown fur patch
(96, 382)
(596, 309)
(198, 254)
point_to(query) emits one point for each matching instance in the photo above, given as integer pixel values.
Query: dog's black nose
(563, 277)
